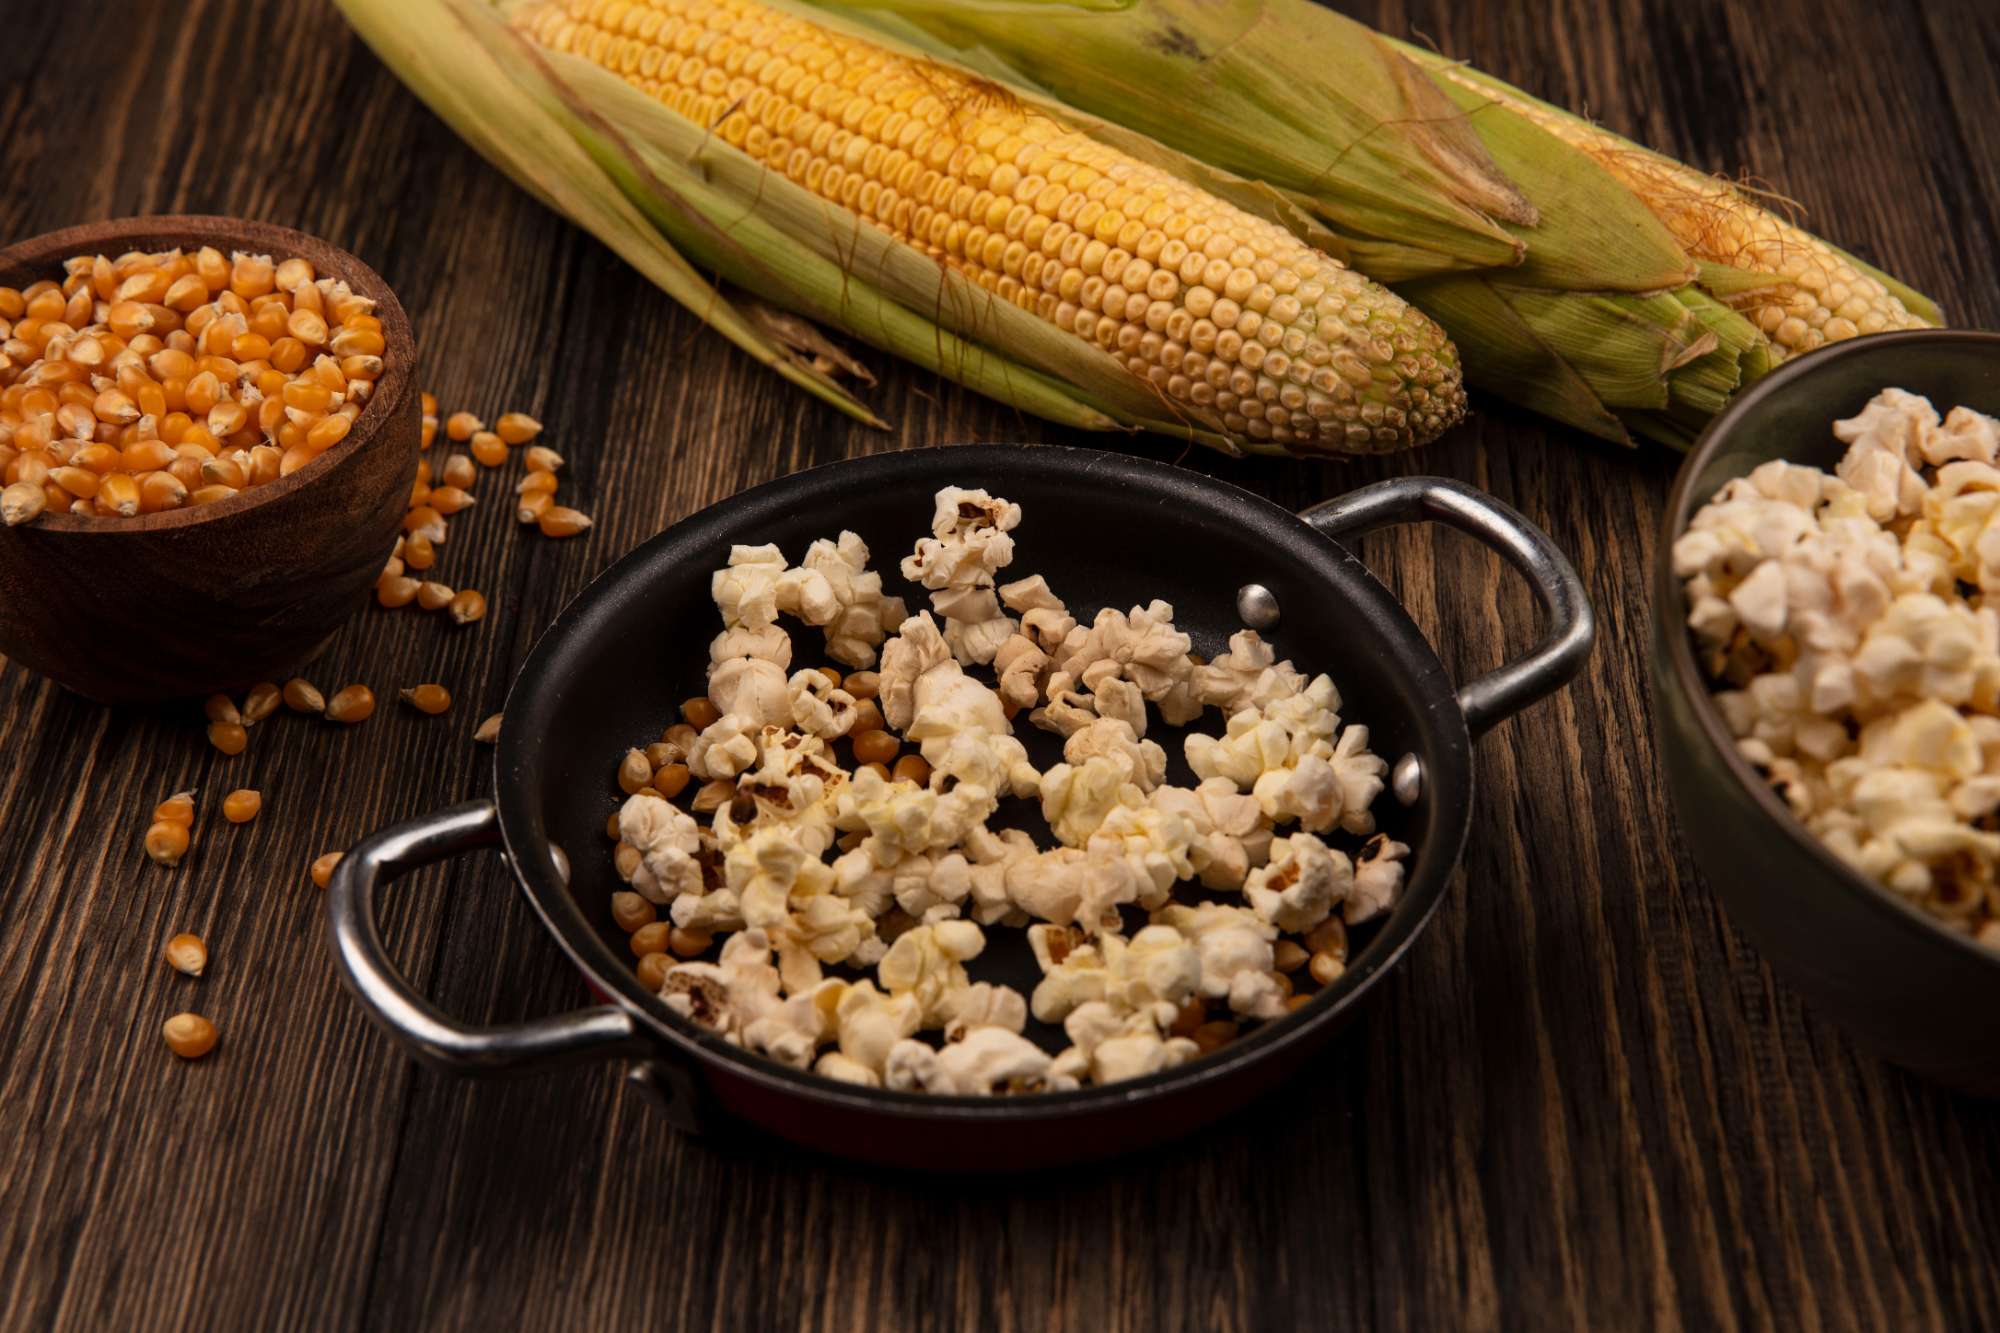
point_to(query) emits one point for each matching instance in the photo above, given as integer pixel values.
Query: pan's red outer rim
(526, 842)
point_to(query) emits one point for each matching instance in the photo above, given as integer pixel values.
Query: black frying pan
(1107, 530)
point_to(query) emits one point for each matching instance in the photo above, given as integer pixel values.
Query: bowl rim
(1686, 673)
(192, 230)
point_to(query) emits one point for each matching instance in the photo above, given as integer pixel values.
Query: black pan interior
(1105, 530)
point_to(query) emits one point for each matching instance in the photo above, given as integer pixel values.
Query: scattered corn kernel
(450, 499)
(22, 502)
(689, 943)
(228, 737)
(396, 590)
(489, 449)
(700, 713)
(176, 809)
(352, 704)
(541, 458)
(302, 697)
(190, 1036)
(631, 911)
(650, 938)
(186, 953)
(671, 780)
(462, 425)
(1326, 969)
(221, 708)
(260, 702)
(322, 868)
(427, 698)
(241, 806)
(531, 507)
(879, 770)
(875, 747)
(459, 471)
(467, 606)
(434, 596)
(167, 841)
(517, 427)
(1288, 956)
(912, 768)
(713, 796)
(562, 521)
(634, 772)
(625, 858)
(488, 732)
(652, 970)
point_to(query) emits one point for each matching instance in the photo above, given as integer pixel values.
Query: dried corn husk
(1581, 275)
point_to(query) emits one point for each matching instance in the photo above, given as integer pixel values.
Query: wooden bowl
(190, 601)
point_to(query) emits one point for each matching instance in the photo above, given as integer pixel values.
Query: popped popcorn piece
(1077, 797)
(867, 1024)
(1297, 760)
(724, 748)
(1248, 676)
(1156, 965)
(968, 545)
(833, 588)
(1378, 878)
(928, 963)
(1109, 1046)
(912, 1066)
(753, 689)
(1140, 646)
(917, 649)
(983, 1004)
(816, 707)
(1151, 842)
(1230, 833)
(988, 1060)
(1236, 955)
(842, 1069)
(1021, 667)
(1890, 435)
(1301, 885)
(746, 590)
(786, 891)
(902, 819)
(740, 997)
(769, 642)
(1113, 737)
(667, 840)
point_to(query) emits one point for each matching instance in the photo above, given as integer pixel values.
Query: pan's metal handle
(1572, 626)
(392, 1002)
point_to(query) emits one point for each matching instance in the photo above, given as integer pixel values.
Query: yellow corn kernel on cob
(1230, 318)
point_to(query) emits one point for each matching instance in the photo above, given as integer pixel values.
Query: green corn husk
(679, 202)
(1596, 316)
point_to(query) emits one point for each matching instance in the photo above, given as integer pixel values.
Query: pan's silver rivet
(1407, 779)
(1257, 605)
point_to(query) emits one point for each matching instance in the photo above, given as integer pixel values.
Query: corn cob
(1229, 317)
(1820, 294)
(1639, 295)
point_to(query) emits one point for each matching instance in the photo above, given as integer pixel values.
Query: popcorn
(1228, 830)
(1301, 885)
(1236, 955)
(805, 864)
(1109, 1046)
(1847, 614)
(740, 998)
(1157, 965)
(724, 748)
(1378, 878)
(967, 546)
(746, 590)
(989, 1060)
(769, 642)
(1112, 738)
(1140, 646)
(928, 963)
(1287, 756)
(1247, 677)
(754, 690)
(667, 840)
(814, 706)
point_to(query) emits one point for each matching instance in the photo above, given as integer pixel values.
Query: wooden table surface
(1584, 1102)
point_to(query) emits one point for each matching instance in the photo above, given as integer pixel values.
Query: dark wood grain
(1583, 1103)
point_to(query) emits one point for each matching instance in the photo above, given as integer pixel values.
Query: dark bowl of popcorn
(1826, 676)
